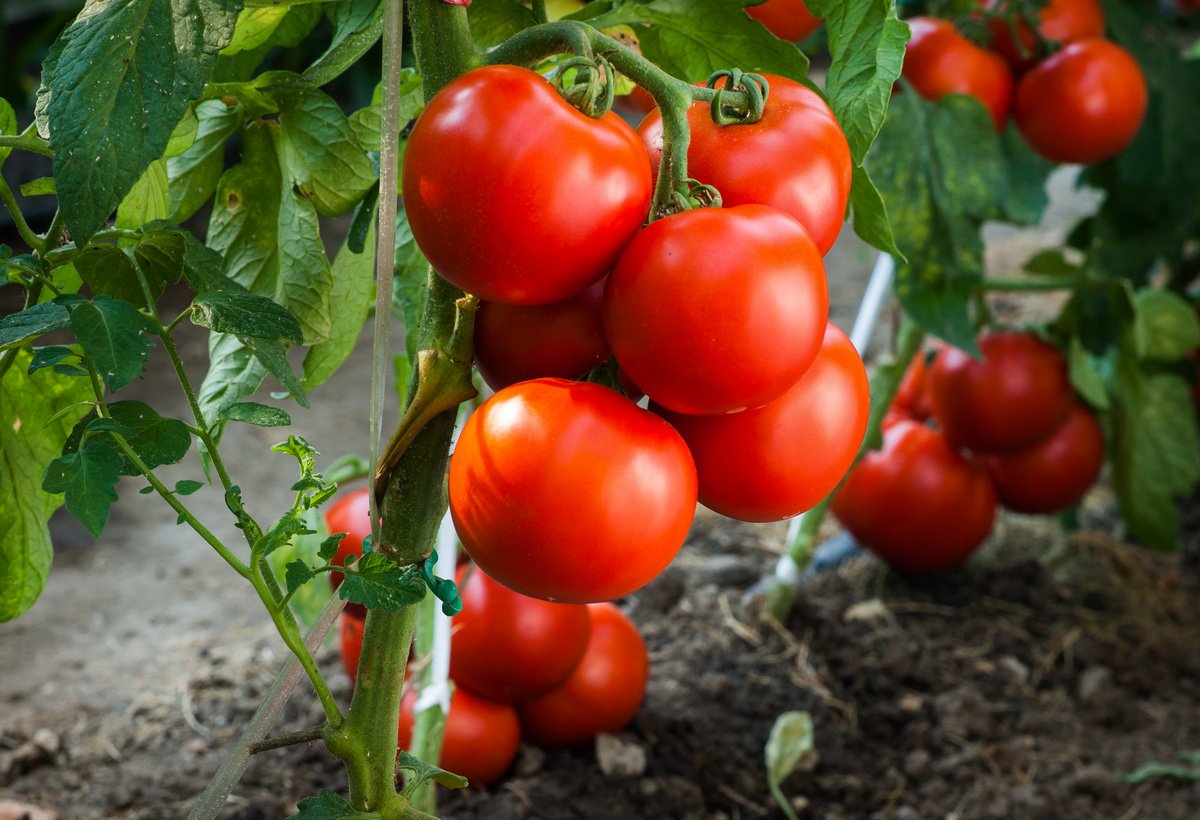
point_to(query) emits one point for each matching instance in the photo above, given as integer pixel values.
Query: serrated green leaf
(870, 214)
(159, 255)
(280, 533)
(49, 356)
(260, 415)
(157, 440)
(107, 270)
(791, 741)
(1086, 377)
(117, 82)
(149, 198)
(113, 333)
(296, 575)
(273, 356)
(233, 373)
(494, 21)
(35, 420)
(32, 322)
(308, 602)
(353, 287)
(88, 479)
(1165, 325)
(42, 186)
(187, 486)
(423, 772)
(269, 234)
(193, 174)
(329, 546)
(329, 806)
(378, 583)
(245, 314)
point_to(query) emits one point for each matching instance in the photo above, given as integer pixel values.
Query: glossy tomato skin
(1017, 395)
(509, 647)
(1083, 104)
(940, 61)
(717, 309)
(481, 739)
(795, 158)
(495, 173)
(351, 635)
(351, 514)
(1054, 473)
(1060, 21)
(779, 460)
(515, 343)
(602, 694)
(568, 491)
(917, 503)
(786, 19)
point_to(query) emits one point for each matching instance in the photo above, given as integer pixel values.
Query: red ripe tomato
(496, 173)
(481, 738)
(1083, 104)
(1019, 394)
(509, 647)
(795, 158)
(913, 398)
(779, 460)
(569, 491)
(1060, 21)
(786, 19)
(351, 634)
(917, 503)
(350, 514)
(717, 309)
(1054, 473)
(940, 61)
(602, 694)
(515, 343)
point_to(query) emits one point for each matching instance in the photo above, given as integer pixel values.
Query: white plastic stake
(437, 693)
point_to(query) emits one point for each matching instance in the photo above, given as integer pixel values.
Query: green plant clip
(444, 589)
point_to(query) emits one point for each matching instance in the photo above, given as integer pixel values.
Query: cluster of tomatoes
(1009, 430)
(568, 490)
(523, 668)
(1083, 103)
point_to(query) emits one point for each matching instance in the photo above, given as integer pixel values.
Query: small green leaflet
(329, 546)
(107, 270)
(1165, 326)
(422, 772)
(89, 480)
(156, 440)
(187, 486)
(251, 412)
(53, 356)
(43, 186)
(378, 583)
(112, 332)
(357, 25)
(32, 322)
(280, 533)
(789, 746)
(307, 550)
(329, 806)
(296, 575)
(246, 314)
(409, 287)
(193, 173)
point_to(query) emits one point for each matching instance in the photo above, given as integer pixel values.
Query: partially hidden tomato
(481, 738)
(786, 19)
(509, 647)
(940, 61)
(514, 195)
(351, 634)
(1017, 395)
(716, 310)
(917, 503)
(913, 398)
(602, 694)
(1083, 104)
(1059, 21)
(779, 460)
(569, 491)
(1054, 473)
(515, 343)
(795, 158)
(351, 514)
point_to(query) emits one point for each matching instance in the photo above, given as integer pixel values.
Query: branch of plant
(35, 242)
(27, 140)
(309, 735)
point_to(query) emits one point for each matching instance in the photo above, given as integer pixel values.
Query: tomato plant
(604, 691)
(730, 341)
(916, 502)
(778, 460)
(786, 19)
(1016, 395)
(479, 236)
(940, 61)
(481, 738)
(631, 497)
(795, 158)
(509, 647)
(1083, 104)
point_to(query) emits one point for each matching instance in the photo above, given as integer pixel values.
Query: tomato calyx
(694, 194)
(588, 83)
(728, 111)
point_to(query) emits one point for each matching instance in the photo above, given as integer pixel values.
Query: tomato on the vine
(481, 738)
(786, 19)
(1060, 21)
(716, 310)
(1017, 395)
(917, 503)
(351, 634)
(569, 491)
(940, 61)
(496, 176)
(1054, 473)
(1083, 104)
(781, 459)
(509, 647)
(515, 343)
(795, 158)
(604, 691)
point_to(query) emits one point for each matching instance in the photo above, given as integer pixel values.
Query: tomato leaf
(379, 583)
(187, 486)
(149, 198)
(273, 356)
(251, 412)
(494, 21)
(305, 549)
(107, 270)
(329, 546)
(280, 533)
(353, 287)
(115, 84)
(693, 38)
(1165, 326)
(329, 806)
(88, 478)
(1026, 175)
(8, 126)
(423, 772)
(870, 214)
(192, 174)
(156, 440)
(296, 575)
(113, 333)
(246, 314)
(52, 355)
(35, 421)
(1086, 376)
(408, 288)
(233, 372)
(42, 186)
(32, 322)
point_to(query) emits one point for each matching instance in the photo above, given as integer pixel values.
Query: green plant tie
(443, 589)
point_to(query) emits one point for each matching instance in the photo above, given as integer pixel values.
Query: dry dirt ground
(1019, 686)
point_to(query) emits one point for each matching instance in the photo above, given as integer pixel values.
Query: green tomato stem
(35, 242)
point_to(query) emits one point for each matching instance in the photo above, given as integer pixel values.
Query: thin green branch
(27, 140)
(35, 242)
(1029, 285)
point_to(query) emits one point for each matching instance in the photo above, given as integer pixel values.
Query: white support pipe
(437, 693)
